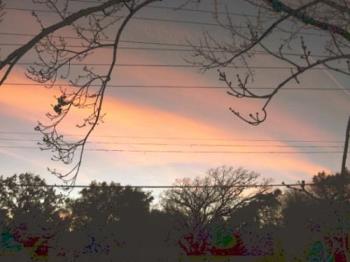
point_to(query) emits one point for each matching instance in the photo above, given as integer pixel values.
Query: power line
(181, 9)
(129, 48)
(175, 9)
(200, 11)
(192, 87)
(122, 47)
(182, 66)
(182, 145)
(175, 21)
(155, 49)
(139, 18)
(149, 43)
(165, 187)
(122, 41)
(187, 151)
(14, 132)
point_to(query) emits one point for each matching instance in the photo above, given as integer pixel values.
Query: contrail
(337, 83)
(346, 91)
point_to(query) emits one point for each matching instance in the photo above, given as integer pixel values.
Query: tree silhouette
(203, 204)
(116, 222)
(31, 211)
(102, 25)
(108, 222)
(95, 27)
(257, 223)
(316, 219)
(278, 28)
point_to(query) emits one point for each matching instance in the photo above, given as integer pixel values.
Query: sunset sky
(191, 129)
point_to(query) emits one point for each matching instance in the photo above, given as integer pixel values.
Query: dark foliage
(108, 222)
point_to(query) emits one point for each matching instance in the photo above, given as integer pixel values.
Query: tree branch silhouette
(87, 87)
(86, 91)
(202, 202)
(282, 18)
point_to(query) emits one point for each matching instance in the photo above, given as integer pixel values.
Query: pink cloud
(125, 118)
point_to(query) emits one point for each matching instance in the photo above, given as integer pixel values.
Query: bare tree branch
(204, 201)
(331, 17)
(87, 89)
(17, 54)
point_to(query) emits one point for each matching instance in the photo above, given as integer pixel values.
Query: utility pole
(346, 145)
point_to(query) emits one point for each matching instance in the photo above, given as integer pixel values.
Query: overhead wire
(154, 65)
(160, 49)
(188, 87)
(166, 186)
(15, 132)
(186, 9)
(140, 18)
(78, 38)
(157, 43)
(180, 145)
(182, 66)
(155, 49)
(176, 21)
(186, 151)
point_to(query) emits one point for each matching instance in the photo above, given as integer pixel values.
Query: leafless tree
(97, 27)
(202, 202)
(101, 26)
(278, 27)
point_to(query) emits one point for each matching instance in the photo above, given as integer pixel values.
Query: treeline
(226, 213)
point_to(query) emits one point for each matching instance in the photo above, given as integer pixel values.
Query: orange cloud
(125, 118)
(131, 119)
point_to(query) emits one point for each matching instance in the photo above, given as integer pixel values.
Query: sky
(167, 133)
